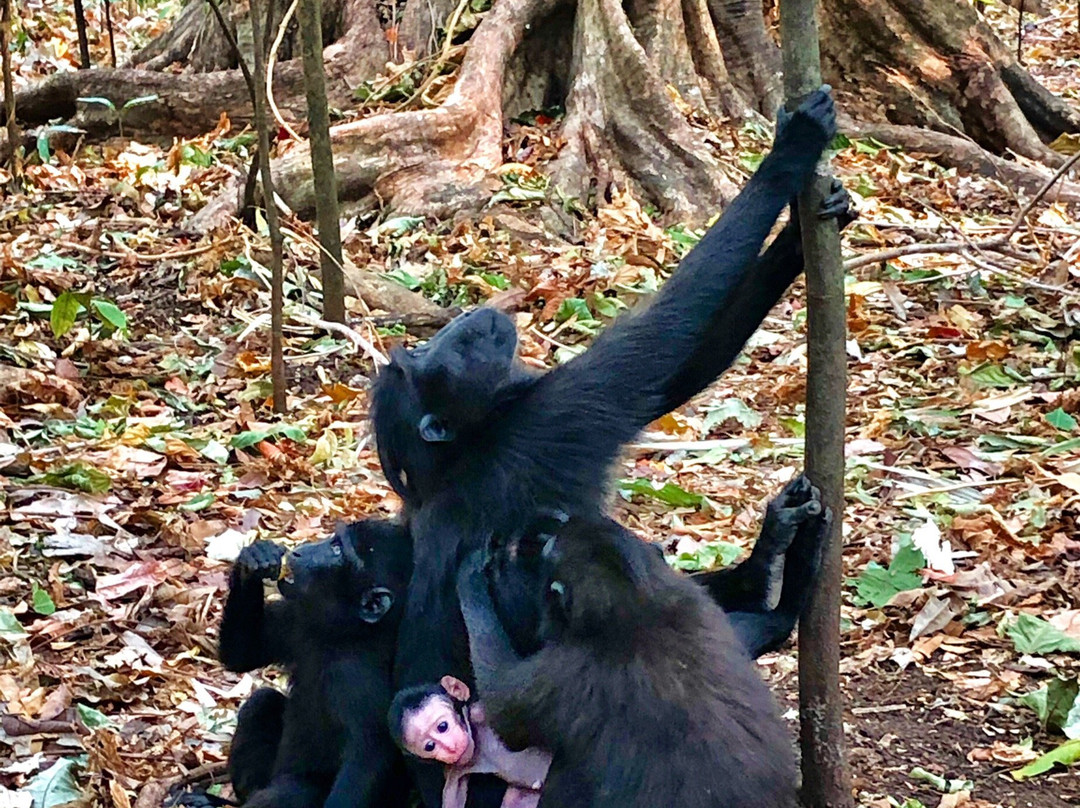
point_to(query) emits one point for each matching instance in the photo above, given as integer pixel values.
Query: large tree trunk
(936, 63)
(636, 78)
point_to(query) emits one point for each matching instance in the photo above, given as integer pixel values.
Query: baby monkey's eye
(429, 746)
(443, 726)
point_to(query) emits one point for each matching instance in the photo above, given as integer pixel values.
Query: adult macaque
(436, 722)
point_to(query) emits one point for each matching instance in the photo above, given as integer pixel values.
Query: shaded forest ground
(137, 455)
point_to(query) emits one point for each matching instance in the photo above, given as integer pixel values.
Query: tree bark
(7, 17)
(80, 28)
(947, 70)
(322, 162)
(825, 781)
(636, 79)
(277, 242)
(192, 103)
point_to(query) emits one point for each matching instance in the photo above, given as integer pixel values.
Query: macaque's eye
(429, 746)
(443, 726)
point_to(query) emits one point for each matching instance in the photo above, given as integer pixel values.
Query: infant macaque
(436, 722)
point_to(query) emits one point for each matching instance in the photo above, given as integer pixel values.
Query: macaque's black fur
(477, 445)
(640, 690)
(326, 743)
(498, 444)
(793, 533)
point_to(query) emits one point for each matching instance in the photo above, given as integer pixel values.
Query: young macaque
(436, 722)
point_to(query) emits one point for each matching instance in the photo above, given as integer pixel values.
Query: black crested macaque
(795, 524)
(334, 630)
(640, 690)
(476, 444)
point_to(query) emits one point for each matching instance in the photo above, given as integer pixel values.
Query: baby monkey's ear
(455, 688)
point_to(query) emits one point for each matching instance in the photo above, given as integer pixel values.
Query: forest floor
(137, 452)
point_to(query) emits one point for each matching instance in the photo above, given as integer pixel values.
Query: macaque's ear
(455, 688)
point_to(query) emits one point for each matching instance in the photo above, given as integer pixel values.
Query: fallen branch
(966, 247)
(351, 334)
(962, 154)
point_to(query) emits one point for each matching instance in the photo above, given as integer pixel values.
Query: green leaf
(1066, 446)
(10, 627)
(877, 585)
(140, 101)
(195, 156)
(732, 408)
(56, 785)
(518, 193)
(96, 99)
(210, 449)
(668, 492)
(399, 225)
(78, 476)
(940, 783)
(1037, 701)
(1059, 419)
(197, 502)
(404, 278)
(990, 375)
(43, 147)
(796, 426)
(1033, 635)
(111, 314)
(1066, 754)
(496, 279)
(607, 306)
(42, 603)
(64, 311)
(251, 437)
(1062, 708)
(92, 719)
(706, 557)
(573, 306)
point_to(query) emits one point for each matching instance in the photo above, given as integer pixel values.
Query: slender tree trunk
(322, 162)
(825, 782)
(84, 44)
(7, 25)
(109, 28)
(277, 279)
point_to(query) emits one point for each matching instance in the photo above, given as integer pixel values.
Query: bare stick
(7, 29)
(1050, 183)
(277, 279)
(109, 28)
(825, 779)
(996, 243)
(84, 44)
(322, 162)
(351, 334)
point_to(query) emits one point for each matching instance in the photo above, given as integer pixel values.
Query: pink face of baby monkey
(437, 731)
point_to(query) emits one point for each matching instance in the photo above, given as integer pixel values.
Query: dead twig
(270, 63)
(351, 334)
(965, 247)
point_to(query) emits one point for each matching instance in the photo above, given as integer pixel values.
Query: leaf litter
(137, 453)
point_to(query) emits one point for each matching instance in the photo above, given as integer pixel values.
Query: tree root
(967, 156)
(951, 71)
(622, 125)
(188, 104)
